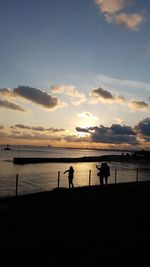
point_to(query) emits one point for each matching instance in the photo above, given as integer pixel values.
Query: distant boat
(7, 147)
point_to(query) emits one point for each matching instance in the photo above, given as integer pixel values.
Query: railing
(115, 176)
(91, 178)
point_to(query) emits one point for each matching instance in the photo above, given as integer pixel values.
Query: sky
(75, 73)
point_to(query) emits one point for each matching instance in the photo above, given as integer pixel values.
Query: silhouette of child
(70, 176)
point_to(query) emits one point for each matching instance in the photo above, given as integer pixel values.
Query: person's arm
(66, 171)
(97, 167)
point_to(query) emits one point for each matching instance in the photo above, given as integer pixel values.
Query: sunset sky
(75, 73)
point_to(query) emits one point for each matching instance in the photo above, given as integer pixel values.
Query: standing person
(106, 172)
(101, 173)
(70, 176)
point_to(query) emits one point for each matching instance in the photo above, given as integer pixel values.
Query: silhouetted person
(101, 173)
(70, 176)
(106, 172)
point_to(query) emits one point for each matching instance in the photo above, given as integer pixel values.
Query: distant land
(75, 148)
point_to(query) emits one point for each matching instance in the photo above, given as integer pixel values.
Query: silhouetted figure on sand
(70, 176)
(104, 172)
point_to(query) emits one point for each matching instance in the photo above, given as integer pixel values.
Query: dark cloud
(143, 127)
(109, 135)
(6, 92)
(80, 129)
(10, 105)
(100, 92)
(124, 130)
(37, 128)
(139, 105)
(55, 130)
(37, 96)
(21, 126)
(35, 136)
(116, 134)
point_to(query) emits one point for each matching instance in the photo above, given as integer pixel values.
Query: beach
(86, 226)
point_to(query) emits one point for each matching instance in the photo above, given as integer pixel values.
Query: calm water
(43, 177)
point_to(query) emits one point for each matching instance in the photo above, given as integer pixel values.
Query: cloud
(64, 89)
(101, 93)
(138, 105)
(7, 92)
(56, 130)
(37, 96)
(3, 134)
(75, 138)
(122, 129)
(37, 128)
(119, 120)
(120, 99)
(70, 90)
(82, 130)
(1, 127)
(34, 95)
(35, 136)
(21, 126)
(131, 84)
(116, 134)
(11, 105)
(107, 6)
(112, 135)
(131, 89)
(88, 115)
(143, 127)
(111, 10)
(130, 21)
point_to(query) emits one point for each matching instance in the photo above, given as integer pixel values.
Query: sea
(40, 177)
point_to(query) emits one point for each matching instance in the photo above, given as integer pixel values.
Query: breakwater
(54, 160)
(119, 158)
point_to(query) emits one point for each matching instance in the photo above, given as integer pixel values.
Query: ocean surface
(44, 176)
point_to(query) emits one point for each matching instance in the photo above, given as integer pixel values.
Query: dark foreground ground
(93, 226)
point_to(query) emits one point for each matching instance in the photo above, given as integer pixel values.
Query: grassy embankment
(89, 226)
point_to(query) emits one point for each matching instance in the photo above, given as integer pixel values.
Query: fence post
(137, 175)
(89, 177)
(58, 179)
(115, 176)
(16, 185)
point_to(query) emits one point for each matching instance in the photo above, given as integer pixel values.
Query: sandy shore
(89, 226)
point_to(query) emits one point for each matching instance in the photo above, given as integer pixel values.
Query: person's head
(71, 168)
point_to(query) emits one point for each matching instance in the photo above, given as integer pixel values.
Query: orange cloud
(130, 21)
(107, 6)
